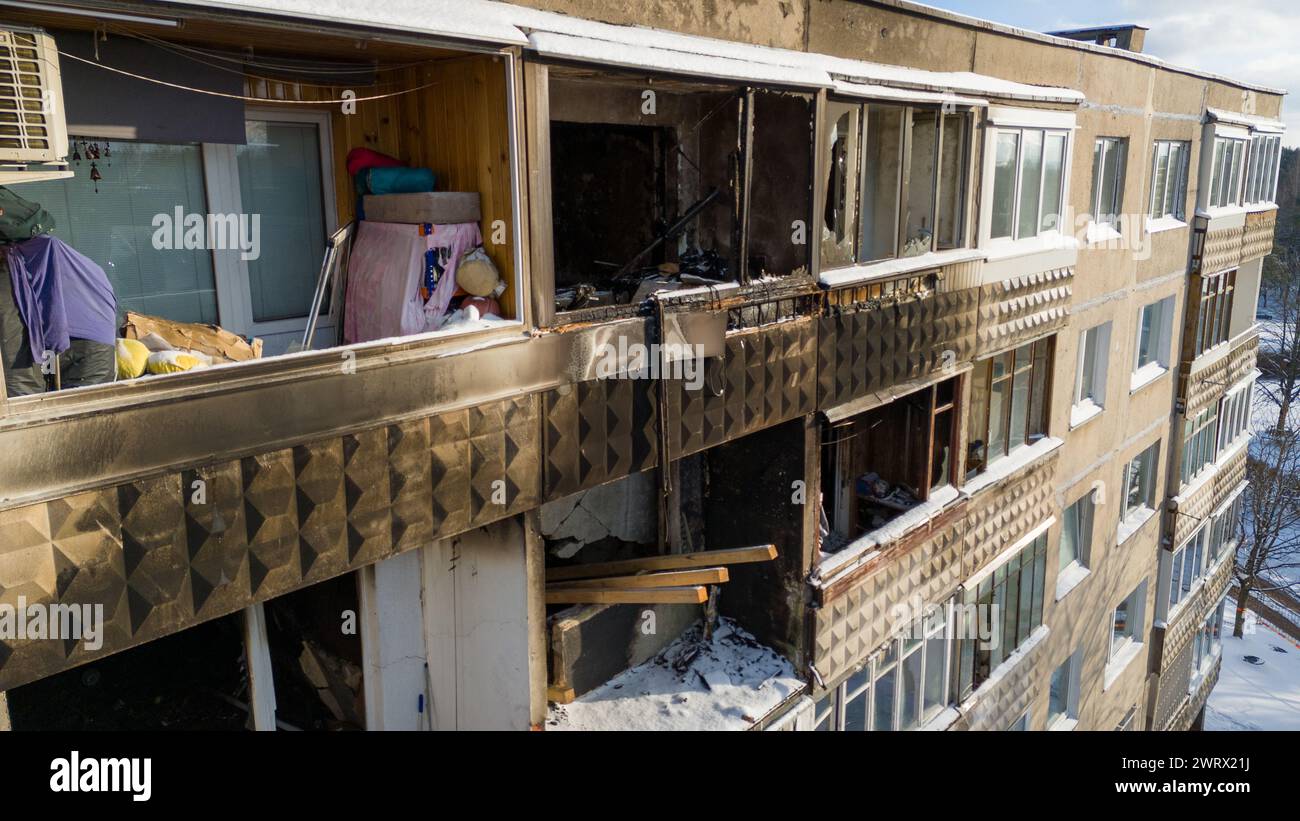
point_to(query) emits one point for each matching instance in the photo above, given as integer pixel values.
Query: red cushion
(359, 159)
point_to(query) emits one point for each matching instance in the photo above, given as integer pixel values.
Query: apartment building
(854, 366)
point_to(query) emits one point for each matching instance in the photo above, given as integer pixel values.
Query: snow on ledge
(1145, 375)
(1083, 411)
(1162, 224)
(870, 271)
(1133, 523)
(863, 549)
(732, 683)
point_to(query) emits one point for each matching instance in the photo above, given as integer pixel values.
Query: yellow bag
(173, 362)
(132, 357)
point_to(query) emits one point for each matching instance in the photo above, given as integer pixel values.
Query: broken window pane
(841, 176)
(924, 162)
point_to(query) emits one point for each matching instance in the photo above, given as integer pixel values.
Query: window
(1090, 375)
(1225, 531)
(1206, 645)
(1214, 312)
(1169, 179)
(179, 284)
(1021, 724)
(1200, 435)
(1187, 566)
(1155, 322)
(1261, 176)
(881, 463)
(1140, 482)
(1108, 159)
(1076, 533)
(998, 612)
(1028, 182)
(895, 182)
(901, 688)
(1234, 416)
(1225, 184)
(1008, 404)
(1126, 622)
(1063, 693)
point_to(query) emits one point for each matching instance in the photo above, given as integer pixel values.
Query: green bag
(22, 219)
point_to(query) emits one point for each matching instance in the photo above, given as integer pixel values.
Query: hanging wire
(244, 97)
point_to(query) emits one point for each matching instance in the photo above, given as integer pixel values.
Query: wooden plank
(677, 561)
(560, 695)
(595, 595)
(672, 578)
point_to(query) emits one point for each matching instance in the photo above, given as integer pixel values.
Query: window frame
(856, 176)
(1188, 566)
(889, 659)
(973, 663)
(1097, 372)
(1148, 458)
(1162, 331)
(1041, 353)
(1227, 171)
(1068, 715)
(1108, 147)
(1263, 168)
(1083, 538)
(1199, 444)
(996, 131)
(1135, 620)
(1175, 184)
(1214, 311)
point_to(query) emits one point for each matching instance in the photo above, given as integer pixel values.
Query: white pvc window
(1261, 178)
(900, 688)
(1227, 171)
(1028, 182)
(1108, 158)
(1169, 179)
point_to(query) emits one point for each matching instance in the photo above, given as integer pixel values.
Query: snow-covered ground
(1256, 696)
(726, 684)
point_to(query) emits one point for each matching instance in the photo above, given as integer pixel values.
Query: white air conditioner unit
(33, 131)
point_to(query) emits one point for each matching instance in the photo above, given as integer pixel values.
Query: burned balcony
(881, 466)
(663, 599)
(661, 184)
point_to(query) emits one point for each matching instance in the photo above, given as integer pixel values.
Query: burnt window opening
(1009, 404)
(194, 679)
(896, 181)
(660, 184)
(880, 464)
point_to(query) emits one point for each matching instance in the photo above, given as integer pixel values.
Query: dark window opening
(658, 185)
(880, 464)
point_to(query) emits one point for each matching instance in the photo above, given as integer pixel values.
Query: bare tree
(1268, 558)
(1279, 337)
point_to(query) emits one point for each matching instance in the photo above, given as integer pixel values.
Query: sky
(1249, 40)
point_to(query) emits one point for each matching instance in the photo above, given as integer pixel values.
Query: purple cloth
(61, 294)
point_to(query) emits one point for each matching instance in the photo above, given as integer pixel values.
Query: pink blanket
(386, 270)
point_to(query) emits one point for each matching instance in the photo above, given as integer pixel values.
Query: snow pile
(1256, 697)
(728, 683)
